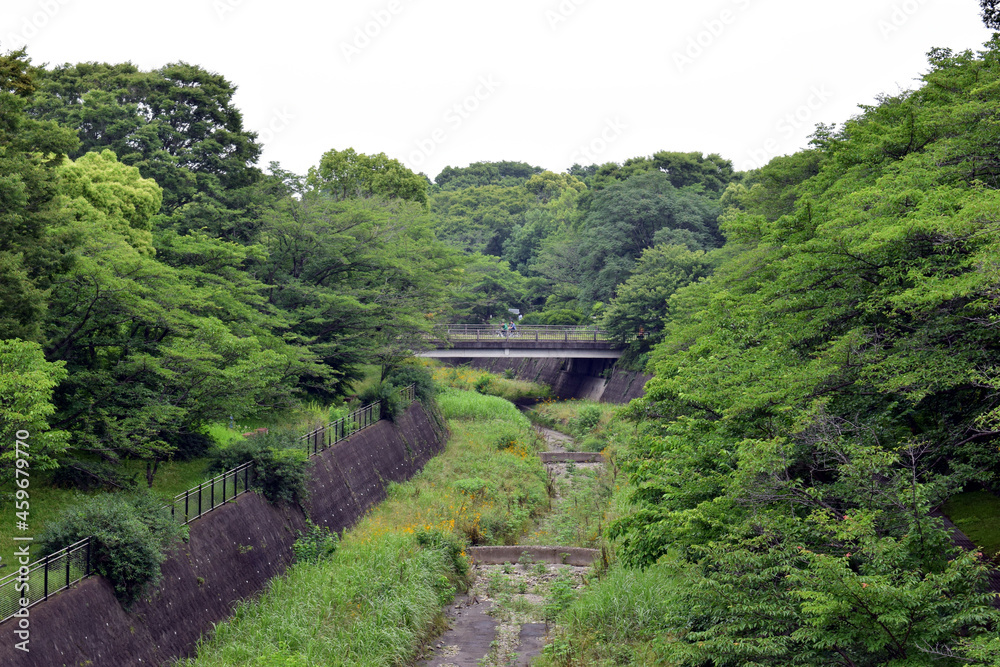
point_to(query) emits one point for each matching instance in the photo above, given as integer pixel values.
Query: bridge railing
(535, 332)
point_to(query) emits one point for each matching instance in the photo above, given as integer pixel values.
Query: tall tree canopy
(832, 383)
(348, 174)
(177, 124)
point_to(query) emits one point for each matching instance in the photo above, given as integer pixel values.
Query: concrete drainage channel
(501, 621)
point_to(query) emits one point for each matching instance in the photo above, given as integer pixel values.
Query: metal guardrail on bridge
(528, 332)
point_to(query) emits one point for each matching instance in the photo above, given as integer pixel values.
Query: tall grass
(484, 382)
(370, 604)
(615, 621)
(382, 592)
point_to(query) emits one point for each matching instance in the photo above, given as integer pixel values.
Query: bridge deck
(472, 340)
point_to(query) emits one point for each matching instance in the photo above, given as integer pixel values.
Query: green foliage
(317, 543)
(348, 174)
(281, 464)
(452, 547)
(627, 218)
(421, 379)
(176, 124)
(132, 534)
(642, 302)
(387, 397)
(26, 385)
(484, 384)
(478, 174)
(823, 390)
(587, 419)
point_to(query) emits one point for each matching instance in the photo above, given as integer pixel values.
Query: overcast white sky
(549, 82)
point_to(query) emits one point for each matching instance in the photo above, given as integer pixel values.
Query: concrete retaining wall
(232, 553)
(569, 378)
(575, 556)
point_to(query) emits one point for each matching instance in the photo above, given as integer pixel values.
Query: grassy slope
(375, 601)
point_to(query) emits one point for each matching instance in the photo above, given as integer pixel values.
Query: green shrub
(421, 379)
(281, 464)
(131, 536)
(587, 419)
(484, 385)
(593, 443)
(315, 544)
(450, 544)
(387, 396)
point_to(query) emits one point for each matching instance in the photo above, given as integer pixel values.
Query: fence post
(45, 578)
(86, 566)
(67, 567)
(199, 498)
(187, 508)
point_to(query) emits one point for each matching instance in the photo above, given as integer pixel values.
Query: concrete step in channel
(574, 457)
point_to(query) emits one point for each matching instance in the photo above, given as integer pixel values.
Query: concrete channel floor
(472, 631)
(469, 639)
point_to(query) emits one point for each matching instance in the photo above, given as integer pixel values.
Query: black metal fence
(202, 499)
(62, 569)
(325, 437)
(56, 572)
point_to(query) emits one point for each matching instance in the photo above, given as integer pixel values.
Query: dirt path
(503, 619)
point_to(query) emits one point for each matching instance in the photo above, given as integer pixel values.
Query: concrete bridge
(470, 341)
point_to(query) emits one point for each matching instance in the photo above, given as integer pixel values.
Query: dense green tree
(147, 356)
(177, 124)
(642, 301)
(358, 280)
(348, 174)
(626, 218)
(26, 384)
(479, 174)
(30, 151)
(487, 288)
(480, 219)
(825, 389)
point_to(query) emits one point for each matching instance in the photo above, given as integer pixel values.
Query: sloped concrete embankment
(569, 378)
(231, 555)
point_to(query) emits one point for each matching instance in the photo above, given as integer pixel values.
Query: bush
(281, 464)
(588, 418)
(387, 396)
(484, 385)
(315, 544)
(420, 378)
(131, 536)
(593, 444)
